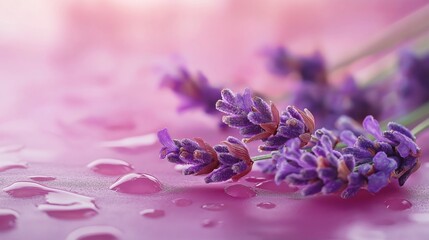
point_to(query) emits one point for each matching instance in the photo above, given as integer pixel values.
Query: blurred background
(101, 63)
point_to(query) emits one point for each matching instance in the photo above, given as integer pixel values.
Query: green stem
(420, 127)
(414, 116)
(262, 157)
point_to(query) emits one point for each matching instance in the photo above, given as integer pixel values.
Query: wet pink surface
(84, 87)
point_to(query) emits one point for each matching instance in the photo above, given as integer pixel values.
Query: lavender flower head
(235, 161)
(197, 153)
(322, 169)
(229, 160)
(258, 120)
(195, 90)
(397, 143)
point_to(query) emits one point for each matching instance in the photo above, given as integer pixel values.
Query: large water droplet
(11, 148)
(240, 191)
(254, 179)
(9, 162)
(397, 204)
(137, 183)
(110, 167)
(266, 205)
(153, 213)
(131, 144)
(270, 185)
(95, 233)
(214, 206)
(42, 178)
(182, 202)
(8, 219)
(59, 203)
(210, 223)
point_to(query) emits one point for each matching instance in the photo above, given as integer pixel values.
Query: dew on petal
(42, 178)
(182, 202)
(266, 205)
(397, 204)
(213, 206)
(210, 223)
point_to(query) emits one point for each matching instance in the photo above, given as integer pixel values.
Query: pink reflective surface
(81, 105)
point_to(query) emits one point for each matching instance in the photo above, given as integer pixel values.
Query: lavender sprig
(258, 120)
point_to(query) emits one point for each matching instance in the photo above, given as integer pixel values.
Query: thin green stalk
(414, 116)
(262, 157)
(420, 127)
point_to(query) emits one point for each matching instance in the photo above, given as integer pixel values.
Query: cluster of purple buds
(318, 161)
(363, 164)
(229, 160)
(258, 120)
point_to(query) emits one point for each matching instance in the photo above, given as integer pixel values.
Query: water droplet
(137, 183)
(240, 191)
(58, 203)
(214, 206)
(153, 213)
(95, 233)
(11, 148)
(110, 167)
(254, 179)
(266, 205)
(42, 178)
(397, 204)
(8, 219)
(270, 185)
(210, 223)
(9, 162)
(182, 202)
(132, 144)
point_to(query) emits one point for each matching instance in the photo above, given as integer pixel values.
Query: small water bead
(153, 213)
(397, 204)
(182, 202)
(270, 185)
(214, 206)
(95, 233)
(137, 183)
(42, 178)
(58, 203)
(266, 205)
(210, 223)
(110, 167)
(254, 179)
(8, 219)
(240, 191)
(10, 162)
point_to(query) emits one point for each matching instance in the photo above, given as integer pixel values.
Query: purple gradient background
(74, 74)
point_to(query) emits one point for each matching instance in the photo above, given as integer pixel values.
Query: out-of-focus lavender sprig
(229, 160)
(413, 85)
(194, 89)
(258, 120)
(326, 101)
(309, 68)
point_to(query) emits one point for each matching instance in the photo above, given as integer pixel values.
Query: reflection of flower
(229, 160)
(413, 87)
(195, 90)
(258, 120)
